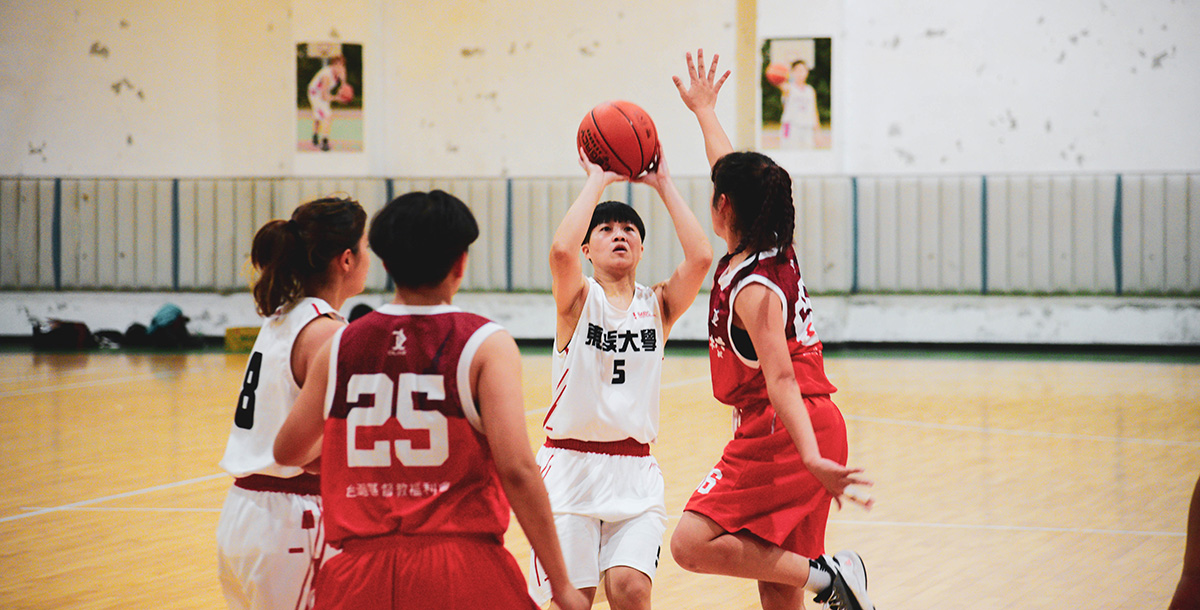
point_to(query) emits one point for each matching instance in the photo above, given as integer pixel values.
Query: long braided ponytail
(761, 195)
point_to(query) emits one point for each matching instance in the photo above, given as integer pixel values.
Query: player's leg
(700, 545)
(629, 556)
(774, 596)
(627, 588)
(579, 537)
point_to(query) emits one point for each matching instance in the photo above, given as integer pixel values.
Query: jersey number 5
(243, 417)
(618, 372)
(387, 393)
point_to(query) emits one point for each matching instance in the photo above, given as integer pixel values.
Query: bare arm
(299, 440)
(676, 294)
(314, 334)
(761, 312)
(566, 272)
(496, 384)
(701, 98)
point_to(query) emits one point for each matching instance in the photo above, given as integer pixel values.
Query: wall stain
(39, 151)
(124, 82)
(98, 49)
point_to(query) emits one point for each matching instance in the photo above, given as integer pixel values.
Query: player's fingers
(700, 61)
(678, 84)
(712, 67)
(717, 87)
(691, 65)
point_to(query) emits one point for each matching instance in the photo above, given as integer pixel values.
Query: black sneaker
(316, 140)
(325, 144)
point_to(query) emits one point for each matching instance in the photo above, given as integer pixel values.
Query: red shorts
(422, 573)
(761, 485)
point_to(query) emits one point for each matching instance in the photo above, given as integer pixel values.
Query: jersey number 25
(387, 393)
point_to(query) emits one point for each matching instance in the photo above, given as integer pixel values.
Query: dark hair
(420, 235)
(761, 195)
(292, 256)
(799, 62)
(614, 211)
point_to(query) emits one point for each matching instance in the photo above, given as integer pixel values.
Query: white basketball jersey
(268, 391)
(605, 384)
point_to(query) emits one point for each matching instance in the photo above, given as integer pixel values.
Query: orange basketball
(345, 93)
(777, 74)
(620, 137)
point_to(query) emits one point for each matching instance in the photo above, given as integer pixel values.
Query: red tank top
(736, 376)
(403, 451)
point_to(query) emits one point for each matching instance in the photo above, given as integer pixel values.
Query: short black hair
(615, 211)
(420, 235)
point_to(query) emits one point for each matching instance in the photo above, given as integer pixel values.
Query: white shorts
(266, 556)
(608, 510)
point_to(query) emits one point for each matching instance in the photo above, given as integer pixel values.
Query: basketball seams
(607, 144)
(610, 129)
(636, 135)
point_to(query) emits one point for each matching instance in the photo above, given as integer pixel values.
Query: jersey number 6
(380, 386)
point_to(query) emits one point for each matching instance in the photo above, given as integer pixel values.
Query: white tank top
(268, 391)
(605, 384)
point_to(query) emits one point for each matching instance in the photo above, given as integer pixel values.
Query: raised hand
(704, 86)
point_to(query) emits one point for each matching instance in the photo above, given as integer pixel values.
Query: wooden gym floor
(1003, 481)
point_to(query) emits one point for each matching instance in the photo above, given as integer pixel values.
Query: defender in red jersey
(420, 428)
(761, 512)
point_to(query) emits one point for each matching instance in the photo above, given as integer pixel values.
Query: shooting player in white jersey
(605, 488)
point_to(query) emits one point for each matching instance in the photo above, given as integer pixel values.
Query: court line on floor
(1002, 528)
(47, 375)
(1030, 433)
(1012, 528)
(81, 384)
(126, 494)
(126, 509)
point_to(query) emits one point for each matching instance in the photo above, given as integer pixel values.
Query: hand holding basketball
(592, 169)
(345, 93)
(658, 175)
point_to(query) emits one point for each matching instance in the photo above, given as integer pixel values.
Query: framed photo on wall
(796, 86)
(329, 97)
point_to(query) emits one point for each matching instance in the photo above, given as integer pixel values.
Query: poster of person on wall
(796, 79)
(329, 97)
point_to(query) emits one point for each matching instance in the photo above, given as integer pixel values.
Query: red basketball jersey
(736, 377)
(403, 451)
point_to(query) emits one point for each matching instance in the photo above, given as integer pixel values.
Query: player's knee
(685, 550)
(628, 589)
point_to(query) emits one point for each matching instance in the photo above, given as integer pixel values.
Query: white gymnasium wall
(453, 88)
(497, 87)
(123, 88)
(1021, 86)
